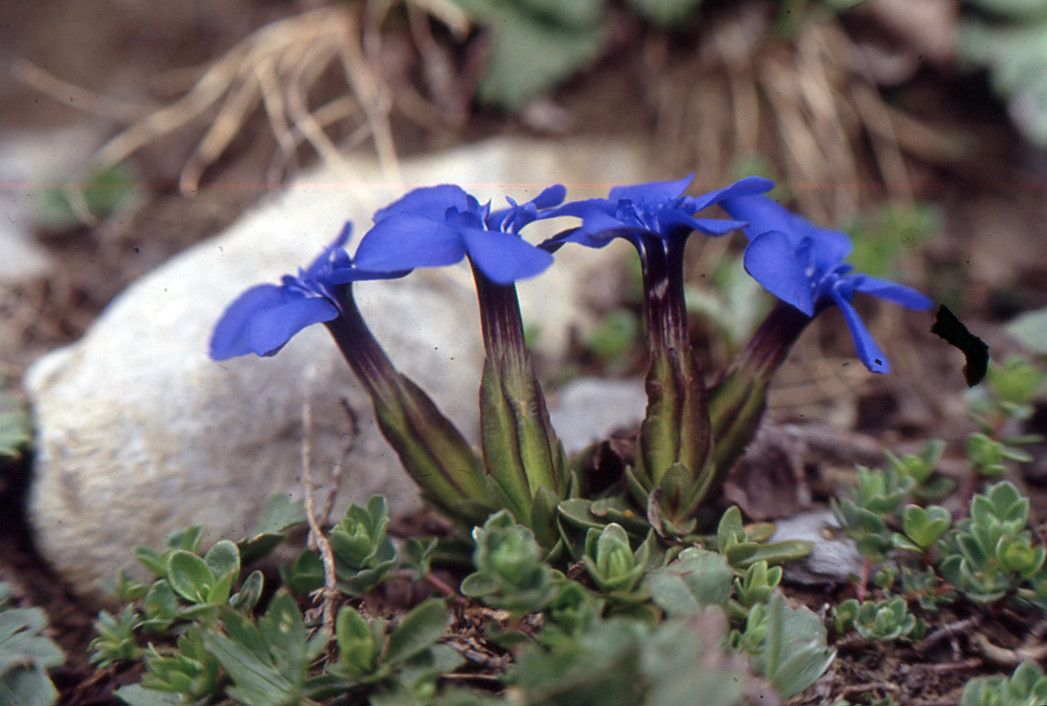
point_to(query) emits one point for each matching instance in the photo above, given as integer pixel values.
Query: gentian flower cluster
(690, 436)
(442, 225)
(803, 265)
(674, 459)
(265, 317)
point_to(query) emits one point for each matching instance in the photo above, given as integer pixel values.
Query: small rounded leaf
(189, 576)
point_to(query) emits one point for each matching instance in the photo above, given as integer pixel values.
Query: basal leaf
(419, 630)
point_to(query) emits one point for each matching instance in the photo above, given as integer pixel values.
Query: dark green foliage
(510, 573)
(16, 432)
(362, 551)
(876, 620)
(534, 44)
(25, 655)
(787, 645)
(100, 194)
(1026, 687)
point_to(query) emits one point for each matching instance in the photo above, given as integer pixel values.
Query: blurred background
(130, 130)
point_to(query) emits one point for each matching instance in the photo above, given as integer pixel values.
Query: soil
(642, 89)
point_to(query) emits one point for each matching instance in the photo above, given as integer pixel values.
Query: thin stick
(374, 98)
(45, 82)
(316, 534)
(961, 665)
(1007, 657)
(233, 114)
(869, 686)
(947, 630)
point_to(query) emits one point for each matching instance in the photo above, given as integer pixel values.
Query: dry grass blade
(376, 102)
(276, 66)
(317, 537)
(64, 92)
(238, 104)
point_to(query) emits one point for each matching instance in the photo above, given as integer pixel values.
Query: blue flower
(803, 265)
(440, 225)
(265, 317)
(657, 208)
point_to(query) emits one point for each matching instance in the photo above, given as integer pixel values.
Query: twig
(374, 97)
(231, 117)
(45, 82)
(437, 583)
(1007, 657)
(870, 686)
(486, 678)
(316, 534)
(957, 666)
(945, 631)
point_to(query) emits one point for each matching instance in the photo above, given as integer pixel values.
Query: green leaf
(793, 652)
(305, 575)
(1016, 57)
(16, 432)
(698, 578)
(223, 559)
(137, 695)
(267, 663)
(357, 650)
(281, 514)
(615, 334)
(189, 576)
(103, 192)
(27, 687)
(530, 53)
(25, 655)
(250, 592)
(667, 13)
(419, 630)
(925, 526)
(1017, 9)
(21, 641)
(161, 604)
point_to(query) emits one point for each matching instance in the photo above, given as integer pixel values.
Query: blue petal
(268, 330)
(504, 258)
(747, 187)
(343, 236)
(897, 293)
(345, 275)
(868, 352)
(230, 337)
(762, 214)
(405, 241)
(652, 193)
(551, 196)
(670, 219)
(772, 261)
(586, 208)
(829, 247)
(599, 224)
(430, 201)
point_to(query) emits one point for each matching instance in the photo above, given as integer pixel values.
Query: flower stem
(431, 448)
(738, 401)
(676, 428)
(521, 450)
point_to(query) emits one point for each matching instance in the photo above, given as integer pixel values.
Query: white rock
(140, 433)
(834, 557)
(587, 410)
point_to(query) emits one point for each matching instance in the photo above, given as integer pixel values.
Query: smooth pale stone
(834, 559)
(140, 433)
(588, 410)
